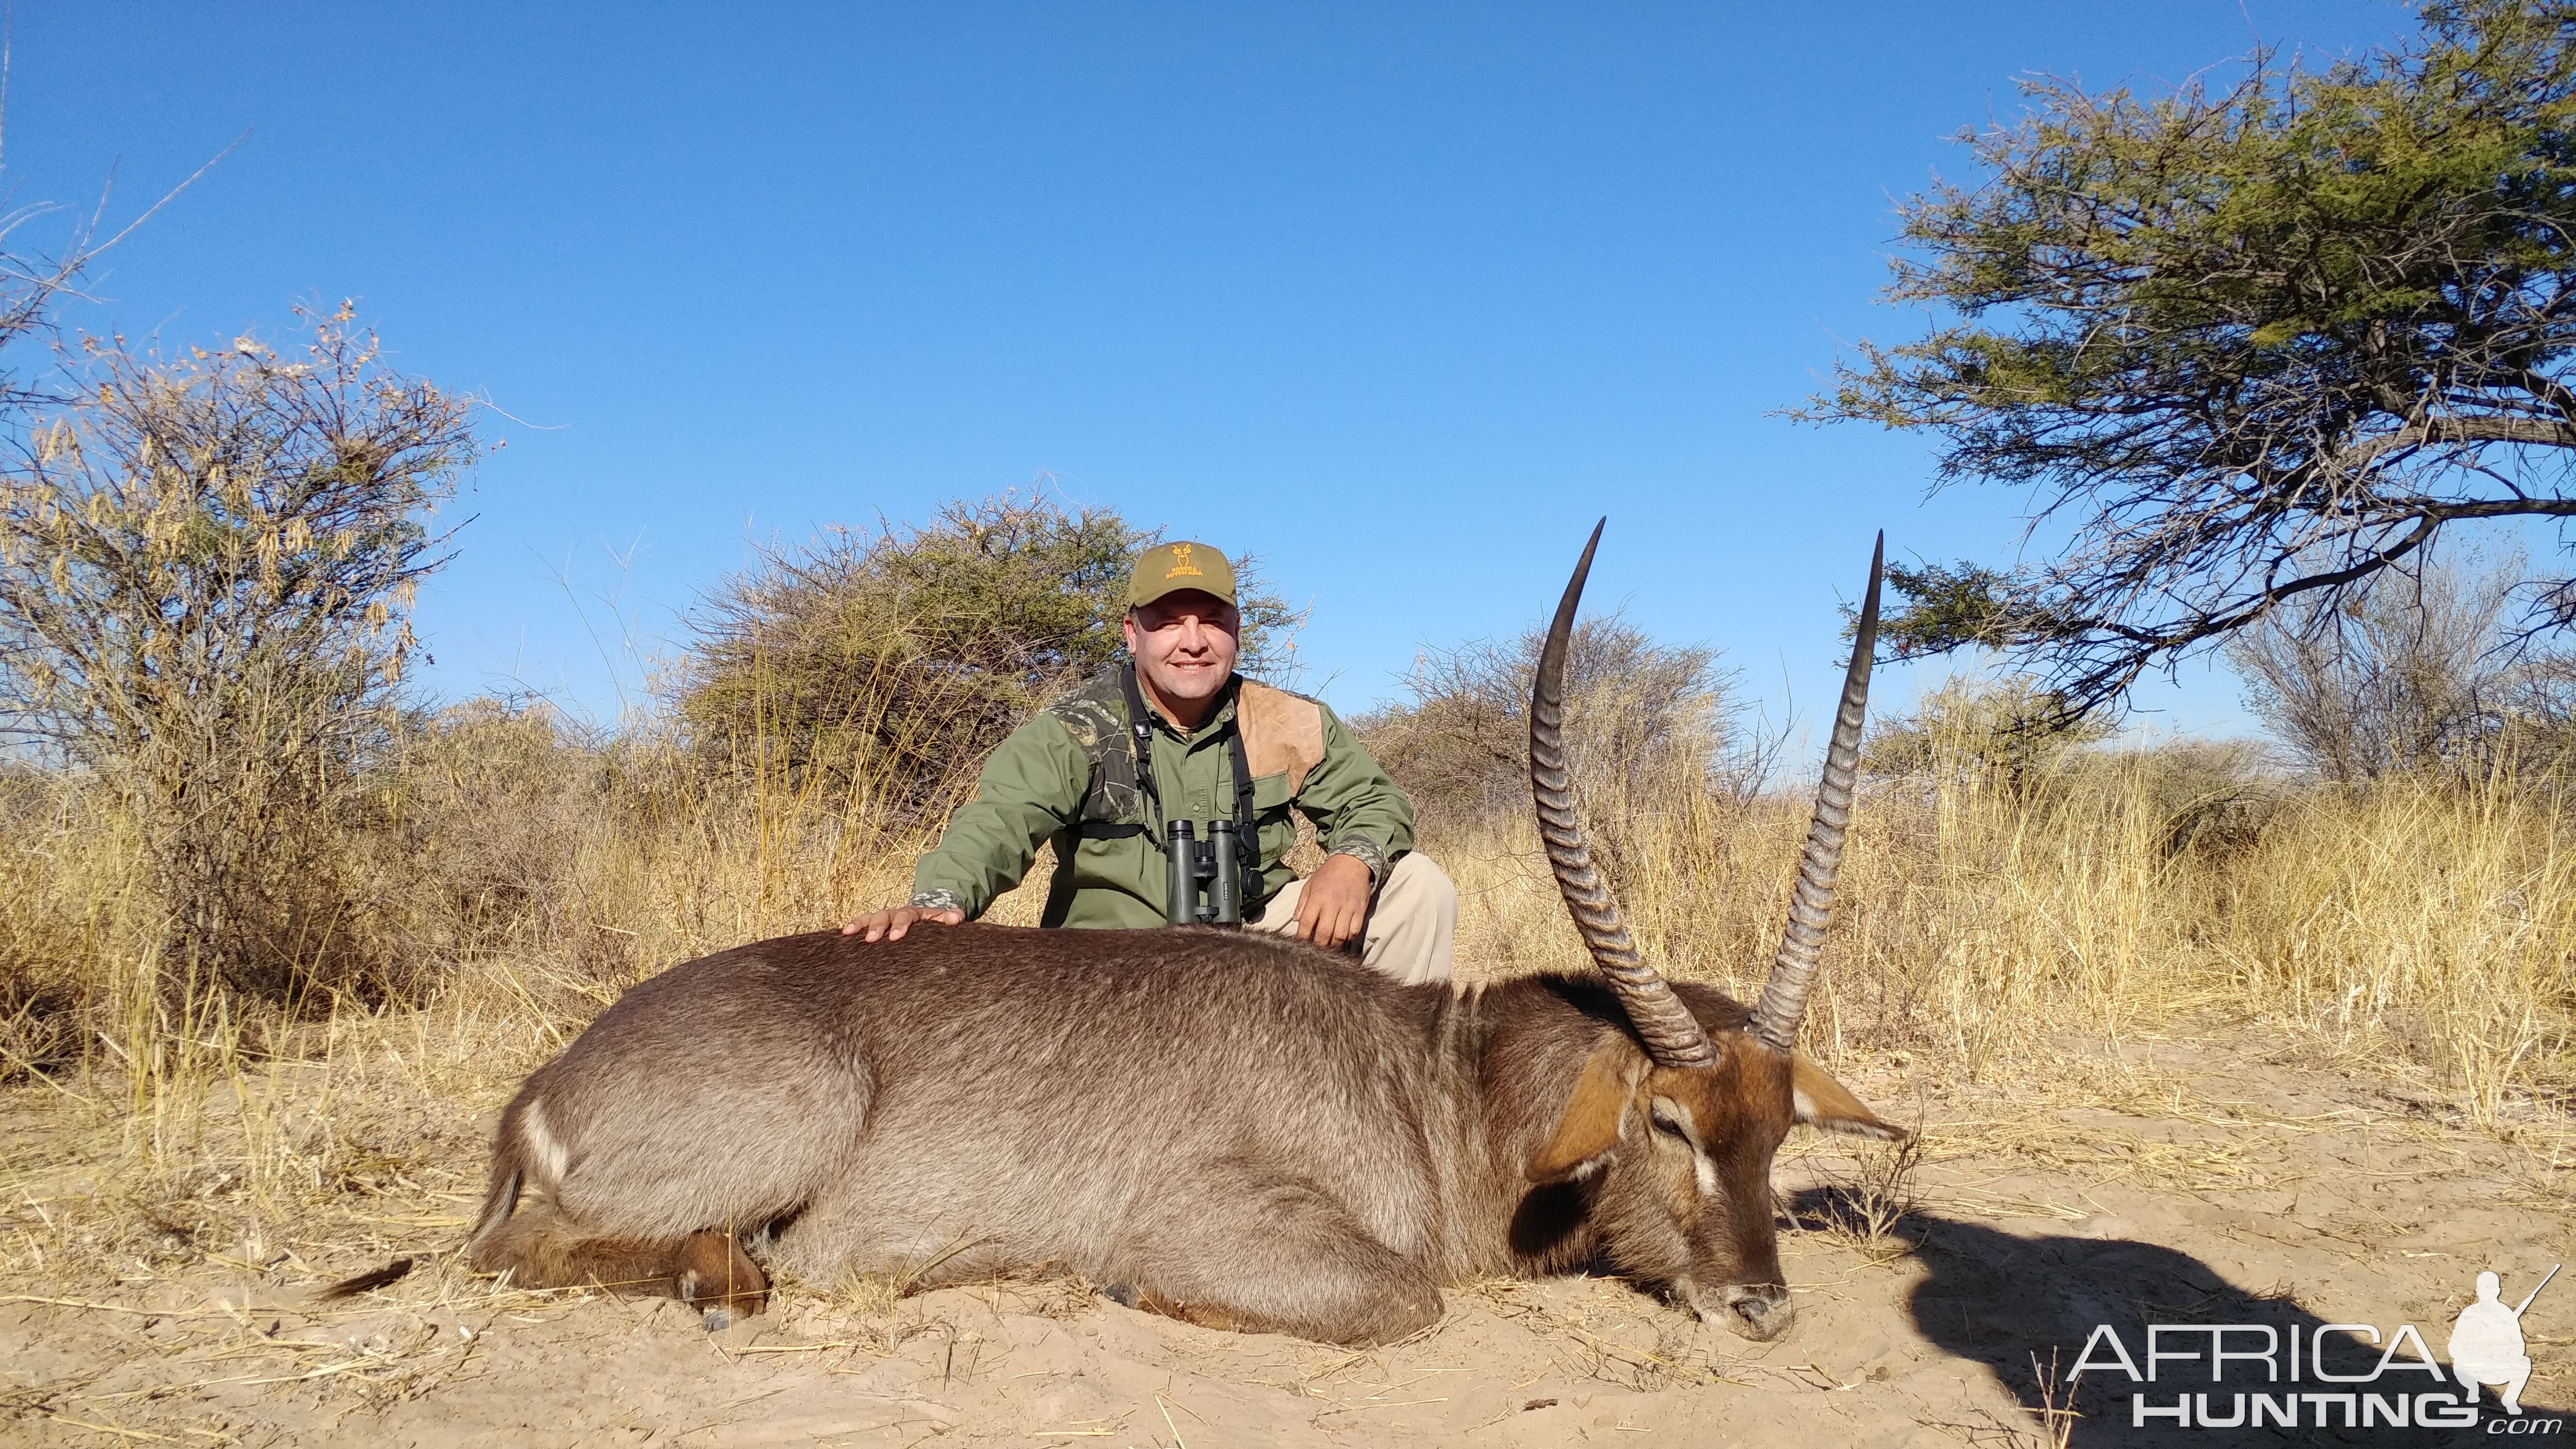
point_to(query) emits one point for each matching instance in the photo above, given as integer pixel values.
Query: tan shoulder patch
(1281, 732)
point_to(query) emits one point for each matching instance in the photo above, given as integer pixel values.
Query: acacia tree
(1638, 714)
(2247, 344)
(206, 570)
(1459, 741)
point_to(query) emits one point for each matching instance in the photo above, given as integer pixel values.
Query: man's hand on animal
(889, 925)
(1334, 905)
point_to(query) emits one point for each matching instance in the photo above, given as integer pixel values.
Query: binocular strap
(1140, 742)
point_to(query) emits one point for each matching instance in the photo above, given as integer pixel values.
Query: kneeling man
(1212, 746)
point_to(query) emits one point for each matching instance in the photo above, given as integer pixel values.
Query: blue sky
(1397, 297)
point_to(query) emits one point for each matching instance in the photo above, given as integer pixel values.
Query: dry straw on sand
(2419, 931)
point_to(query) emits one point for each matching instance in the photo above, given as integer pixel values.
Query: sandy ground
(2187, 1181)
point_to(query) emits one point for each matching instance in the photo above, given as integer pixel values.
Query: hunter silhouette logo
(2351, 1392)
(2486, 1343)
(1181, 565)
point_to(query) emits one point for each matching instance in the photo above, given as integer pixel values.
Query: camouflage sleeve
(1357, 810)
(1031, 788)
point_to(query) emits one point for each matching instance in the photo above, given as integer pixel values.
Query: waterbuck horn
(1672, 1035)
(1793, 971)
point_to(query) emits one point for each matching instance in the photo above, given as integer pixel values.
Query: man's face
(1184, 644)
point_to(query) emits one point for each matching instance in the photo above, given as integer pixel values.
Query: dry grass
(2421, 922)
(1861, 1205)
(2424, 929)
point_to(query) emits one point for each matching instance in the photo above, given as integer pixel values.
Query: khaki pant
(1411, 925)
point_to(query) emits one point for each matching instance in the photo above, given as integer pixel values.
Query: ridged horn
(1672, 1035)
(1793, 971)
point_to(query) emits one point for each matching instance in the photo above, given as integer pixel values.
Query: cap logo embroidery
(1181, 564)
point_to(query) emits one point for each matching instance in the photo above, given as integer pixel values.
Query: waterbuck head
(1676, 1127)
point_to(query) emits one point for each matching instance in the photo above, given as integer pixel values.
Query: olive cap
(1168, 568)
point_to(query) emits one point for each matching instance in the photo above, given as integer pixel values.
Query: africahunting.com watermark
(2407, 1388)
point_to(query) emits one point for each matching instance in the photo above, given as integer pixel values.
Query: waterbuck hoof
(714, 1270)
(1122, 1294)
(715, 1320)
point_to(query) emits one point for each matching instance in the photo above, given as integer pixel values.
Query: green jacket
(1069, 775)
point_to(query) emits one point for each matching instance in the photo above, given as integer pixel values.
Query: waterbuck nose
(1760, 1312)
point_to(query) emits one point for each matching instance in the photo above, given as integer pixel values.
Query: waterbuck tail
(497, 1205)
(367, 1282)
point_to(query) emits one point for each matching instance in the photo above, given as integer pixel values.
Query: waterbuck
(1237, 1130)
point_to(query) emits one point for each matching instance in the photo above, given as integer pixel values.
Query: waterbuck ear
(1596, 1113)
(1823, 1102)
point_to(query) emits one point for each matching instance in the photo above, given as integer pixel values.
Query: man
(1215, 747)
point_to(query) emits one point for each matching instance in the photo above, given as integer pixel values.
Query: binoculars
(1211, 867)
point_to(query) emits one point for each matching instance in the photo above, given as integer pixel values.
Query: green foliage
(2251, 342)
(888, 663)
(1940, 609)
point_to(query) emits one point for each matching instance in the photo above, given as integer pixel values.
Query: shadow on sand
(1997, 1300)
